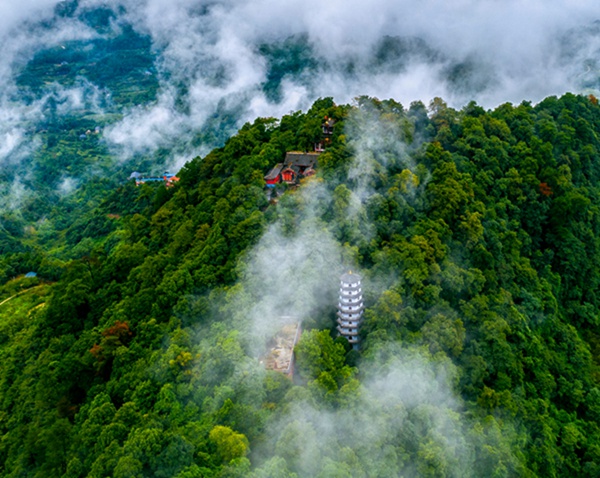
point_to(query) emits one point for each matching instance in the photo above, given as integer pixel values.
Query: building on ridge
(350, 308)
(297, 165)
(168, 178)
(274, 176)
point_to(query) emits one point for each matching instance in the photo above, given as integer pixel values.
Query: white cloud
(515, 44)
(208, 57)
(12, 14)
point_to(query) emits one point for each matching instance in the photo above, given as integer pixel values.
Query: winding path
(19, 293)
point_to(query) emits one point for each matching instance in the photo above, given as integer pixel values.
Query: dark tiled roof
(297, 159)
(274, 172)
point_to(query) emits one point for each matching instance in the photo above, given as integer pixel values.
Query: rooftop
(301, 160)
(350, 277)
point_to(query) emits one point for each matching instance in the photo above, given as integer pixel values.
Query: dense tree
(478, 236)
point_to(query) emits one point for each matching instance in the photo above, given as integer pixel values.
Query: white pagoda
(350, 307)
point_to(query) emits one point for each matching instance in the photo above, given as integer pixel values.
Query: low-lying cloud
(484, 50)
(292, 274)
(210, 62)
(404, 419)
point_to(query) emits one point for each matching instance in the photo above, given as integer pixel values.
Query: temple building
(274, 176)
(297, 165)
(350, 308)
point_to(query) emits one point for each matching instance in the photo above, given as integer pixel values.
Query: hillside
(94, 90)
(477, 233)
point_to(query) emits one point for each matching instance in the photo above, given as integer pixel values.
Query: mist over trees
(135, 352)
(134, 319)
(168, 80)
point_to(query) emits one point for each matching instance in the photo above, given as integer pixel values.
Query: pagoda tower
(350, 308)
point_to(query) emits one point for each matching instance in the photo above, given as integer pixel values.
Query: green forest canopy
(477, 233)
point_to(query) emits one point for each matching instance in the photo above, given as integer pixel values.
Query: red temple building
(297, 165)
(274, 176)
(288, 175)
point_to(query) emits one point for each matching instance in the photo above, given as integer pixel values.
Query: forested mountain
(92, 90)
(136, 350)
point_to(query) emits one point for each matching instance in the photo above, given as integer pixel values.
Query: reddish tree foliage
(120, 330)
(96, 351)
(545, 189)
(113, 337)
(593, 99)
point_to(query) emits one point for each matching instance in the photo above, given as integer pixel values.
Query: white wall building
(350, 307)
